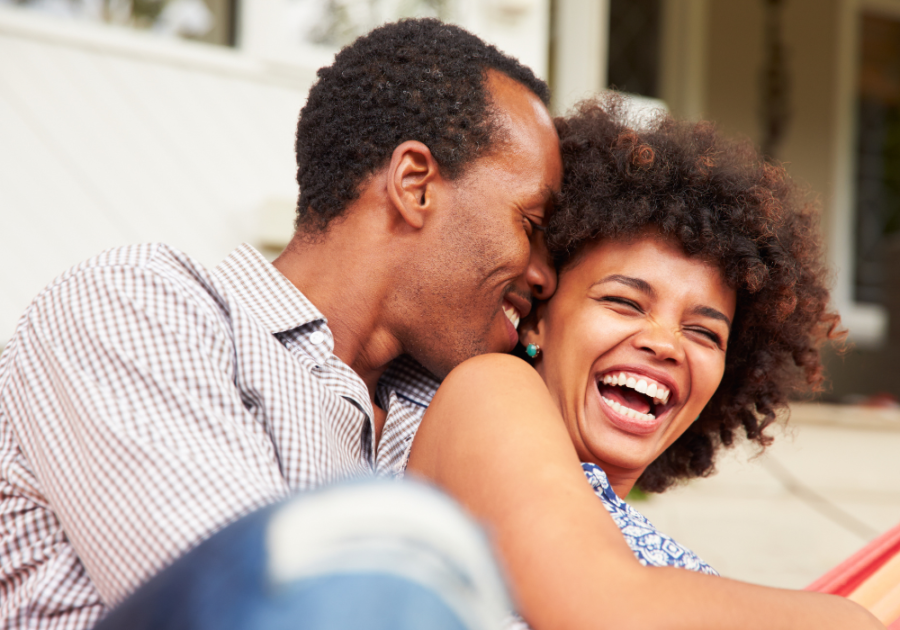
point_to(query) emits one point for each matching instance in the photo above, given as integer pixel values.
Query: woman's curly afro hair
(722, 203)
(410, 80)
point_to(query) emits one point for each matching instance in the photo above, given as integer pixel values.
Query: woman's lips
(634, 399)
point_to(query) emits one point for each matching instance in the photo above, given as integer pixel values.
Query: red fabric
(847, 576)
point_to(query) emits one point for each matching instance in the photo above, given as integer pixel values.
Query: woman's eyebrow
(635, 283)
(644, 287)
(708, 311)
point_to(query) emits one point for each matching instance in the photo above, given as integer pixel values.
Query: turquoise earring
(532, 350)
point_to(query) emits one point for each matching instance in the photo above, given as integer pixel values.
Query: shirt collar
(410, 380)
(272, 299)
(279, 306)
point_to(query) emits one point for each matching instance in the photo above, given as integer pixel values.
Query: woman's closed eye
(622, 301)
(711, 335)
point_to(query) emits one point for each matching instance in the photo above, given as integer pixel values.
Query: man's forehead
(515, 104)
(528, 130)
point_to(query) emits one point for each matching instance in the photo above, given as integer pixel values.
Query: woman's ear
(532, 327)
(411, 177)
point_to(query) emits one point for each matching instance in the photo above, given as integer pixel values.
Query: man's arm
(121, 396)
(494, 439)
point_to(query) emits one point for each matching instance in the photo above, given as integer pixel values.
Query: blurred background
(125, 121)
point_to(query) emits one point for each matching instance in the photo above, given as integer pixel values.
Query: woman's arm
(494, 439)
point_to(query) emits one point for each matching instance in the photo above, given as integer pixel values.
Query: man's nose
(540, 274)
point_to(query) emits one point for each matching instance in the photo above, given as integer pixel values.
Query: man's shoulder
(150, 280)
(153, 257)
(142, 268)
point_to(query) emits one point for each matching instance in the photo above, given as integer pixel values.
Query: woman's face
(633, 346)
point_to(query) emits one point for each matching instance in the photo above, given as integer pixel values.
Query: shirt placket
(343, 381)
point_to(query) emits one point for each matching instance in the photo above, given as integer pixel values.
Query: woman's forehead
(649, 258)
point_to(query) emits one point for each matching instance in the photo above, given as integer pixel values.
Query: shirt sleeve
(121, 393)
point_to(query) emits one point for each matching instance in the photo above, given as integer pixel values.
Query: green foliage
(147, 10)
(637, 494)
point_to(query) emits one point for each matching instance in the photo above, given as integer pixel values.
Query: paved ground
(751, 521)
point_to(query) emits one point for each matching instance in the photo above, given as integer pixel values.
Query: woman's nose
(662, 341)
(540, 274)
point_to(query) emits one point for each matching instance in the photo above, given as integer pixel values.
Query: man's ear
(411, 178)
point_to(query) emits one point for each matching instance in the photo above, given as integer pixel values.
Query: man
(146, 402)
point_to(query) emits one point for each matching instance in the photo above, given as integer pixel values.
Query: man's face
(489, 259)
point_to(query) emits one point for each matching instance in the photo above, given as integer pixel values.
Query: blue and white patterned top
(651, 547)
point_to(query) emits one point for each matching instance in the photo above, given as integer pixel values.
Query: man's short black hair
(410, 80)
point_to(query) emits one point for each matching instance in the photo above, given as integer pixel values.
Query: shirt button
(317, 337)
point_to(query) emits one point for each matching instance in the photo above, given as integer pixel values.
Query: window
(634, 46)
(877, 182)
(211, 21)
(339, 22)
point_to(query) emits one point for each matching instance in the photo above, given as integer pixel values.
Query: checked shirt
(146, 402)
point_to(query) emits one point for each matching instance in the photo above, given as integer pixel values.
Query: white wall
(582, 43)
(112, 137)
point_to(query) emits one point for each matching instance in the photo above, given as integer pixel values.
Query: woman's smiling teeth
(511, 314)
(657, 392)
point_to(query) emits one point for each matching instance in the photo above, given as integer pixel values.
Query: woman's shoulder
(487, 370)
(492, 405)
(499, 387)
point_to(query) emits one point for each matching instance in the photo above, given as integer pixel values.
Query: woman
(684, 262)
